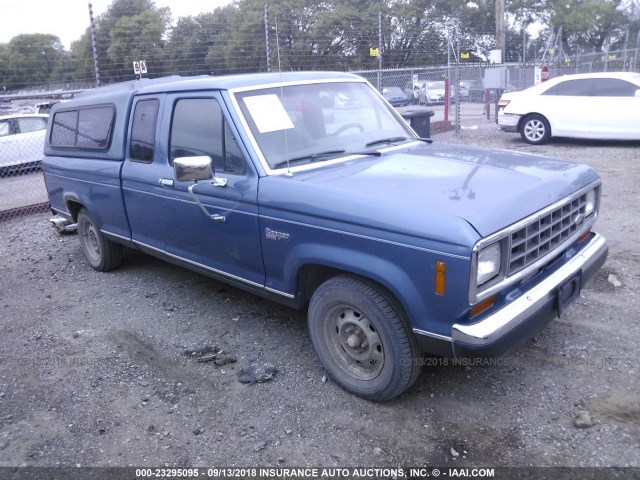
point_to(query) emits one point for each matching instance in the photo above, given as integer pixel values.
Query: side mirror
(193, 168)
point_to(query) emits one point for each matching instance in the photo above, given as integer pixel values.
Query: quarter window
(143, 130)
(4, 128)
(614, 87)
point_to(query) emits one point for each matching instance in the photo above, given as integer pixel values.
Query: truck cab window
(198, 128)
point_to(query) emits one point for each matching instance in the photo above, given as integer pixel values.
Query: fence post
(456, 89)
(94, 45)
(380, 50)
(447, 97)
(266, 33)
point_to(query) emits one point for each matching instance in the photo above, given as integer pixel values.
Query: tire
(535, 129)
(101, 253)
(363, 339)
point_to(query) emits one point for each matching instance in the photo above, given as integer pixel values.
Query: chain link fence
(455, 94)
(22, 133)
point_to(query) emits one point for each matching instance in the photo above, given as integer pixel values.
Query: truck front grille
(542, 235)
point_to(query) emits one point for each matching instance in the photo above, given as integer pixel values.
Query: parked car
(425, 92)
(593, 105)
(464, 92)
(21, 142)
(412, 91)
(392, 244)
(395, 96)
(433, 92)
(475, 90)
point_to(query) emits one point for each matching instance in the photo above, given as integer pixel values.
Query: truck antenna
(286, 141)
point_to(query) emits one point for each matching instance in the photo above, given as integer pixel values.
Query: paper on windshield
(268, 113)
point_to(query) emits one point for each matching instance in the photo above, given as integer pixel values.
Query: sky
(68, 19)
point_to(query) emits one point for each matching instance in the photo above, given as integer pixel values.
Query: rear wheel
(535, 129)
(362, 338)
(101, 253)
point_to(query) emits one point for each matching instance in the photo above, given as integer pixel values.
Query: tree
(130, 30)
(190, 41)
(588, 24)
(32, 58)
(139, 37)
(5, 67)
(81, 59)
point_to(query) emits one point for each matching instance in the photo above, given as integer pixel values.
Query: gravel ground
(101, 369)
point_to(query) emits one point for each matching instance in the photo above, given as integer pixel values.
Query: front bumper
(504, 331)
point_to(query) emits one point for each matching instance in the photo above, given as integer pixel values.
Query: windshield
(319, 122)
(435, 85)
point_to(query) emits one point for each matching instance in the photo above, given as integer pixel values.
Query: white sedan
(21, 142)
(594, 105)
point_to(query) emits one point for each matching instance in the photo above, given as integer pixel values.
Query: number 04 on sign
(140, 67)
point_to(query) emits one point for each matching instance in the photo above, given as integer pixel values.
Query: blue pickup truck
(309, 189)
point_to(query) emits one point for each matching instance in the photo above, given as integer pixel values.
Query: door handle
(219, 182)
(166, 182)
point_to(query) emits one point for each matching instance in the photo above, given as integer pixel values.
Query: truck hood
(489, 189)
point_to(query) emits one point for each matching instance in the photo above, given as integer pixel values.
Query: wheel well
(311, 276)
(74, 208)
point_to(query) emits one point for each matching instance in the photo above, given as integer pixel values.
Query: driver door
(165, 217)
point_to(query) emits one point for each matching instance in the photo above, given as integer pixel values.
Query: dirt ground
(100, 369)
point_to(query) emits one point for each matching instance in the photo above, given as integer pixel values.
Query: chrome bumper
(533, 308)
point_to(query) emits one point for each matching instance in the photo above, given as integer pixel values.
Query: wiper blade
(311, 157)
(397, 139)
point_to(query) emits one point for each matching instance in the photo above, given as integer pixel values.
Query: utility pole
(500, 29)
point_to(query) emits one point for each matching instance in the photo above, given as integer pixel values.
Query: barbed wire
(205, 50)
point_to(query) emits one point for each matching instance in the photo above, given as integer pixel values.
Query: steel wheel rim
(354, 343)
(91, 243)
(534, 130)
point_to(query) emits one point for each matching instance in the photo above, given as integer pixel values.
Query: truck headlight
(590, 206)
(488, 263)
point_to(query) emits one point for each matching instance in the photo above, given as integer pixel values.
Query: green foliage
(191, 39)
(588, 24)
(31, 58)
(138, 37)
(311, 34)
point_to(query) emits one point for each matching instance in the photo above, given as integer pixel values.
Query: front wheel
(535, 129)
(362, 338)
(102, 254)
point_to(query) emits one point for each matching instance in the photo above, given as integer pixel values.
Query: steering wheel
(346, 127)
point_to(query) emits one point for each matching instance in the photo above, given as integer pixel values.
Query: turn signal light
(482, 306)
(441, 270)
(584, 236)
